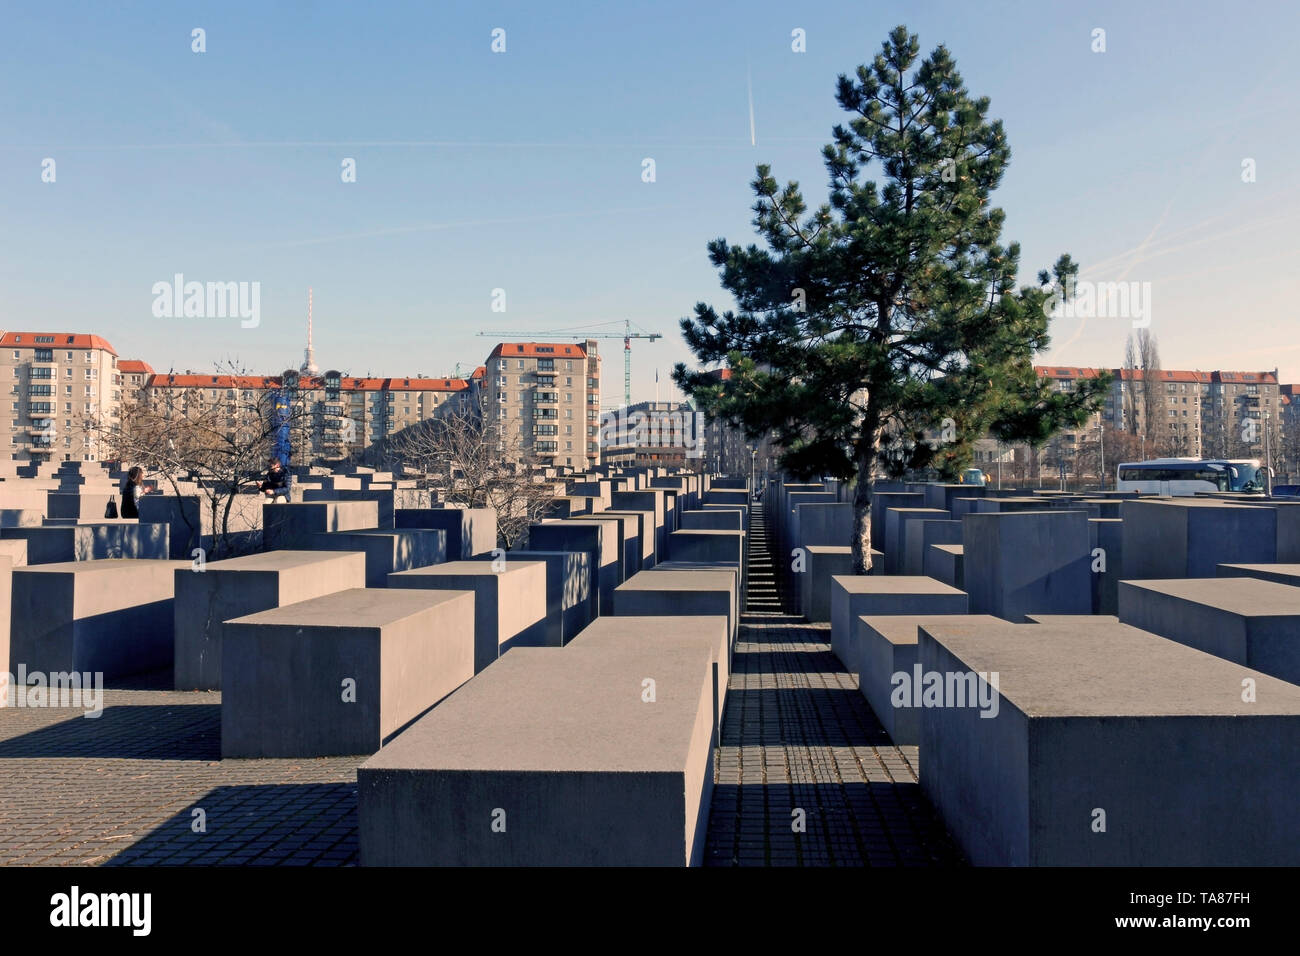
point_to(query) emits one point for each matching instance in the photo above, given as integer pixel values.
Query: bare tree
(1145, 405)
(478, 464)
(217, 436)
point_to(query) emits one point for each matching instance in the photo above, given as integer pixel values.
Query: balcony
(546, 398)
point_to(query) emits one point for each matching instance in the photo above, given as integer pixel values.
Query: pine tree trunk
(866, 460)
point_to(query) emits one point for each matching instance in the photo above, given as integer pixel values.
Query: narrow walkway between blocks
(805, 774)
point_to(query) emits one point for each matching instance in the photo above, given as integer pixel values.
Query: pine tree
(891, 310)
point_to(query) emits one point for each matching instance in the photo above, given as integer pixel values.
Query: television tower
(309, 356)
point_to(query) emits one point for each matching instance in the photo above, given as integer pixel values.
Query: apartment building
(1197, 414)
(546, 397)
(329, 417)
(64, 387)
(653, 433)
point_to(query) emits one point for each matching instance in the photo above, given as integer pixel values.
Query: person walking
(132, 492)
(276, 485)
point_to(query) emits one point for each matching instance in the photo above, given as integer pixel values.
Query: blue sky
(522, 170)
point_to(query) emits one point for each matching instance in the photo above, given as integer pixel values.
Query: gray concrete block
(712, 519)
(853, 596)
(1167, 539)
(886, 647)
(56, 544)
(341, 673)
(1245, 620)
(1107, 564)
(516, 746)
(223, 590)
(919, 535)
(1151, 732)
(383, 498)
(648, 499)
(1279, 573)
(896, 520)
(112, 616)
(881, 501)
(509, 601)
(647, 633)
(644, 530)
(629, 541)
(1017, 563)
(599, 539)
(679, 593)
(821, 563)
(387, 551)
(943, 562)
(470, 531)
(570, 594)
(942, 496)
(290, 527)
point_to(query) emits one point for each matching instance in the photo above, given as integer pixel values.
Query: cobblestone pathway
(122, 788)
(797, 735)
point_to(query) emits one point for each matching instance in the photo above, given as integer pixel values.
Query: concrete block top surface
(572, 709)
(1072, 619)
(278, 560)
(828, 548)
(1248, 597)
(674, 580)
(904, 628)
(355, 608)
(1278, 570)
(468, 568)
(950, 548)
(1062, 670)
(893, 584)
(104, 566)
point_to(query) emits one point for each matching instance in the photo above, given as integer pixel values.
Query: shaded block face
(470, 531)
(56, 544)
(943, 496)
(388, 551)
(712, 519)
(887, 646)
(943, 562)
(639, 634)
(732, 574)
(1106, 538)
(1245, 620)
(111, 616)
(882, 501)
(570, 596)
(1018, 563)
(829, 525)
(339, 674)
(644, 530)
(1107, 717)
(205, 600)
(853, 596)
(6, 593)
(383, 499)
(598, 539)
(508, 772)
(509, 602)
(821, 563)
(291, 526)
(678, 593)
(711, 547)
(1163, 539)
(919, 535)
(647, 499)
(896, 520)
(629, 542)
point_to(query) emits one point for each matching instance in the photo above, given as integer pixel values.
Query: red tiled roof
(134, 367)
(348, 384)
(538, 350)
(1072, 373)
(62, 340)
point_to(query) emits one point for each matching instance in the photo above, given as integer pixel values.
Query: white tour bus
(1187, 476)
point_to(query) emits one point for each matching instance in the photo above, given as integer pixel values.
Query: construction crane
(627, 336)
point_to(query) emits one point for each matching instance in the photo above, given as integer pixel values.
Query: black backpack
(111, 510)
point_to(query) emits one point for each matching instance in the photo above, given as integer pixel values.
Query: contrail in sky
(749, 82)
